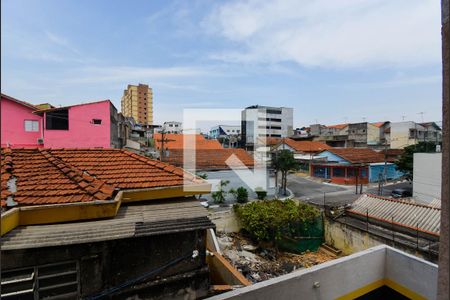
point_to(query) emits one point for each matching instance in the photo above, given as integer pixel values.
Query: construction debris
(259, 264)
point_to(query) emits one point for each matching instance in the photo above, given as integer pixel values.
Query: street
(316, 192)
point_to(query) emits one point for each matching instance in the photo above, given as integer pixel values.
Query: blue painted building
(353, 165)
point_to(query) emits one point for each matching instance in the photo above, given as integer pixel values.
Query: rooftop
(176, 141)
(177, 215)
(306, 146)
(358, 275)
(212, 159)
(358, 155)
(55, 176)
(18, 101)
(389, 212)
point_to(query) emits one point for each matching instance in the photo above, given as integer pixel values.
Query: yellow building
(137, 102)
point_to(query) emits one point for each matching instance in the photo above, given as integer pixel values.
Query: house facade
(88, 125)
(86, 241)
(353, 166)
(20, 127)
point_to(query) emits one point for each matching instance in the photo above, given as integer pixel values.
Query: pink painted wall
(82, 133)
(13, 131)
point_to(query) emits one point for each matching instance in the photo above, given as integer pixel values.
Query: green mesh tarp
(301, 237)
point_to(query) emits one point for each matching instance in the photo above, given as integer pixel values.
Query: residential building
(403, 134)
(20, 127)
(171, 127)
(262, 122)
(224, 131)
(353, 166)
(353, 135)
(78, 203)
(304, 151)
(84, 125)
(228, 135)
(137, 102)
(427, 178)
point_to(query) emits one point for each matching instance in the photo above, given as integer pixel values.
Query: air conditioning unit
(40, 141)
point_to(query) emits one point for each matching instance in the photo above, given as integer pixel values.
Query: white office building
(259, 123)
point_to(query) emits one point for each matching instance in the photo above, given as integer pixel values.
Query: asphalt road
(319, 193)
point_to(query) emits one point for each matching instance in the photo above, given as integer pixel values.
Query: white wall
(427, 176)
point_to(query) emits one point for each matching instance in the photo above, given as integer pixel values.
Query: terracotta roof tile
(46, 176)
(176, 141)
(358, 155)
(306, 146)
(207, 159)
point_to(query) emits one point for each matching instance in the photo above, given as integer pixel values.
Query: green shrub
(241, 195)
(260, 193)
(267, 220)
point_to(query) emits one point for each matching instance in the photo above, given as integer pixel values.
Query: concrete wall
(373, 134)
(225, 221)
(347, 239)
(355, 273)
(427, 176)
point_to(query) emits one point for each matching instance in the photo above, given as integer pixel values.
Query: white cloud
(348, 33)
(113, 74)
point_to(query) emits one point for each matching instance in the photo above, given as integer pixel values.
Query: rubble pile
(259, 264)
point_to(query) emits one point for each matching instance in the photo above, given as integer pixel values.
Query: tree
(219, 196)
(405, 163)
(283, 161)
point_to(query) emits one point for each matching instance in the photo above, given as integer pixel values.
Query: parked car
(401, 193)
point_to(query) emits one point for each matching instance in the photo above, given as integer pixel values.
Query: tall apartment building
(137, 102)
(261, 123)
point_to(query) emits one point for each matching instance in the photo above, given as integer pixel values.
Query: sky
(332, 61)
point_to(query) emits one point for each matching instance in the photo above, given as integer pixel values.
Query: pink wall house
(80, 126)
(19, 126)
(90, 125)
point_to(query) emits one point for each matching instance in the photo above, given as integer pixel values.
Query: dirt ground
(259, 264)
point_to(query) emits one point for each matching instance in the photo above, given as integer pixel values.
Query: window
(57, 120)
(350, 173)
(31, 125)
(273, 111)
(96, 121)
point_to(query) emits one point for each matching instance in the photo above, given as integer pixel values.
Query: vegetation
(219, 196)
(283, 161)
(260, 193)
(240, 194)
(202, 175)
(267, 220)
(405, 163)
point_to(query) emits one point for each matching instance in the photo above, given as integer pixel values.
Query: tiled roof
(358, 155)
(378, 124)
(176, 141)
(337, 126)
(402, 213)
(18, 101)
(207, 159)
(47, 176)
(161, 217)
(306, 146)
(269, 141)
